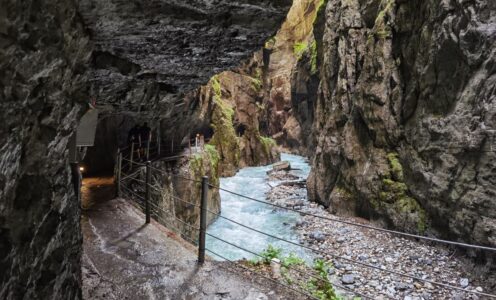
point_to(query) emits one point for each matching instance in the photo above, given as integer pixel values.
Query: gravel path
(425, 261)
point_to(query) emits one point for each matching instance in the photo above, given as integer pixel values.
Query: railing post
(118, 174)
(148, 148)
(131, 155)
(158, 141)
(203, 220)
(147, 192)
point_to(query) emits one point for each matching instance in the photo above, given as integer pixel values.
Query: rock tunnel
(137, 60)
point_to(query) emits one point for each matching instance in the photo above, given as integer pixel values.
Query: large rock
(405, 115)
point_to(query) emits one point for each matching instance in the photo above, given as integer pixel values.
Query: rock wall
(405, 115)
(290, 78)
(43, 57)
(174, 196)
(235, 102)
(147, 55)
(142, 57)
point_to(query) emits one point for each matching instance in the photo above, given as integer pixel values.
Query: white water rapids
(253, 182)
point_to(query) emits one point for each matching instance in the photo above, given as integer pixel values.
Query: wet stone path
(124, 259)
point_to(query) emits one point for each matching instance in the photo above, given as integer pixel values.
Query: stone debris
(429, 262)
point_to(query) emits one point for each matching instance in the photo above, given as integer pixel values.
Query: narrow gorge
(352, 140)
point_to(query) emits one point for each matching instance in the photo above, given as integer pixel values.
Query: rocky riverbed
(430, 262)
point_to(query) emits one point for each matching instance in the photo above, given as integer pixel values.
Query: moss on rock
(224, 138)
(396, 167)
(394, 198)
(299, 49)
(267, 144)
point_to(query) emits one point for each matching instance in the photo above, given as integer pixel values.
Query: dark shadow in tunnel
(111, 133)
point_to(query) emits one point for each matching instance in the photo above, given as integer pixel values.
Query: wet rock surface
(50, 71)
(337, 241)
(44, 52)
(405, 116)
(125, 259)
(178, 44)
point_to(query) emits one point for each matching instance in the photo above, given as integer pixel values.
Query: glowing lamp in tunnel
(81, 169)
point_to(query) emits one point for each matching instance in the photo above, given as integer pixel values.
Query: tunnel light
(81, 169)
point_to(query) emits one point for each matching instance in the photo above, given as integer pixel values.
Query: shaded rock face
(144, 58)
(43, 54)
(235, 105)
(405, 115)
(291, 79)
(147, 55)
(174, 42)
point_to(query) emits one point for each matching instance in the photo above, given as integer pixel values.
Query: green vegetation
(224, 138)
(269, 44)
(321, 287)
(381, 29)
(216, 87)
(320, 6)
(256, 84)
(396, 168)
(198, 167)
(292, 260)
(299, 49)
(214, 157)
(318, 285)
(394, 195)
(267, 144)
(270, 253)
(347, 195)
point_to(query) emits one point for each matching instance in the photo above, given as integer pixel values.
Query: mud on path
(124, 259)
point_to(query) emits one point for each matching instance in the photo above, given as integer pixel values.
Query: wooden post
(118, 174)
(158, 140)
(148, 146)
(147, 192)
(131, 155)
(203, 220)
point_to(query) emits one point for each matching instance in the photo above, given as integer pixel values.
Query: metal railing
(153, 210)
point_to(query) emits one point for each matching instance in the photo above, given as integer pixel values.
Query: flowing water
(253, 182)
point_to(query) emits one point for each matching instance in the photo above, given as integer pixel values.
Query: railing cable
(361, 225)
(261, 275)
(294, 269)
(354, 261)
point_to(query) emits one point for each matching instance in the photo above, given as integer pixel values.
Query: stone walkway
(124, 259)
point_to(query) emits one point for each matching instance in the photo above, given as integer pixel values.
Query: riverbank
(430, 262)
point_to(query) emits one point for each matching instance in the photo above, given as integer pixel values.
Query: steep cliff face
(235, 105)
(406, 113)
(43, 57)
(289, 113)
